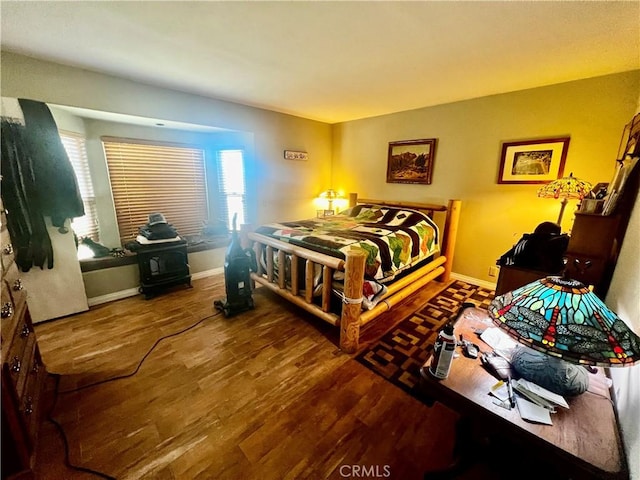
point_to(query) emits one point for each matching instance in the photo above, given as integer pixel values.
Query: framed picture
(630, 144)
(294, 155)
(411, 161)
(533, 161)
(325, 213)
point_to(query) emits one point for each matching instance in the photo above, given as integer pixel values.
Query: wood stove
(163, 265)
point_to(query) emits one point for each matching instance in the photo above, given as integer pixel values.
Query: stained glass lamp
(563, 318)
(565, 188)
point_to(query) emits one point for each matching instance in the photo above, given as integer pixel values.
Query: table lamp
(330, 195)
(562, 318)
(565, 188)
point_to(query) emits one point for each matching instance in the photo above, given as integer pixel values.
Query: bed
(318, 263)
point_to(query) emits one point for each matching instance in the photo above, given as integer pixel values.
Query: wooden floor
(263, 395)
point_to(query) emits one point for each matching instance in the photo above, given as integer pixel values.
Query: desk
(583, 441)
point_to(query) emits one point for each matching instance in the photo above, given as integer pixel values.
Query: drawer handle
(17, 285)
(7, 310)
(25, 331)
(28, 406)
(8, 249)
(36, 368)
(16, 365)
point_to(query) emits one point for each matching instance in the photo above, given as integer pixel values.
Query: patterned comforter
(394, 239)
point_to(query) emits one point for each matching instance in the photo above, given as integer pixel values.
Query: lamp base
(563, 204)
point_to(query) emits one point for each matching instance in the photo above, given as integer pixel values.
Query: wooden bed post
(350, 320)
(449, 240)
(353, 200)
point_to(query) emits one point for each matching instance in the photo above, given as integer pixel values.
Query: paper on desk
(532, 412)
(544, 393)
(500, 391)
(532, 397)
(498, 340)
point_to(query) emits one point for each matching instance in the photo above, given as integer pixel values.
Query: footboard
(285, 264)
(288, 282)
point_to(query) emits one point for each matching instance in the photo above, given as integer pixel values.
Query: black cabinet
(163, 265)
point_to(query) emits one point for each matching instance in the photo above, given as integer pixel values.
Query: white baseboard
(474, 281)
(111, 297)
(132, 292)
(207, 273)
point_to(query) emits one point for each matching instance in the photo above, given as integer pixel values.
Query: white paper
(498, 340)
(532, 397)
(544, 393)
(500, 391)
(532, 412)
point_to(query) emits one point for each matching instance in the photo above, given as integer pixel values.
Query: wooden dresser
(596, 239)
(23, 373)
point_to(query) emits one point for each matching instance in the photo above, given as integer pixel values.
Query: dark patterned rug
(400, 353)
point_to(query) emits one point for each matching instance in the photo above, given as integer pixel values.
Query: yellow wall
(592, 112)
(352, 156)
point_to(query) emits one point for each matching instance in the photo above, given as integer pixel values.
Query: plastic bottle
(443, 351)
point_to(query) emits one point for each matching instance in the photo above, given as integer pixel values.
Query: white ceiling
(332, 61)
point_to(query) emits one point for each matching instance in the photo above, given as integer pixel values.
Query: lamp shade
(565, 187)
(563, 318)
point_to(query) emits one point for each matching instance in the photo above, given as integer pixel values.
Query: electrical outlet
(493, 271)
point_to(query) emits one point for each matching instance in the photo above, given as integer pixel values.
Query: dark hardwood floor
(263, 395)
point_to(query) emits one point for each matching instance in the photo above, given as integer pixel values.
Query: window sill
(131, 258)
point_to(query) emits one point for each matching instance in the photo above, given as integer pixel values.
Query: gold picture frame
(533, 161)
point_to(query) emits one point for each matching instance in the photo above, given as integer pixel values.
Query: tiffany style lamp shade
(565, 188)
(563, 318)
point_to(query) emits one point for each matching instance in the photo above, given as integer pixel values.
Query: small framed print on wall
(294, 155)
(533, 161)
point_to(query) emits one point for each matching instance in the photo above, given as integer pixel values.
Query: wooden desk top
(586, 434)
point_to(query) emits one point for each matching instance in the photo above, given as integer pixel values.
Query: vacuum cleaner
(238, 264)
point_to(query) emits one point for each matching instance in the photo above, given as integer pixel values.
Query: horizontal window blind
(152, 177)
(75, 146)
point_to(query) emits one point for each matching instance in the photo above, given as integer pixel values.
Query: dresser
(23, 373)
(596, 239)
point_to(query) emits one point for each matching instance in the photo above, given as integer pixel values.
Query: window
(86, 226)
(154, 177)
(231, 186)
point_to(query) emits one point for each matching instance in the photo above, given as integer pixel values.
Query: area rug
(400, 353)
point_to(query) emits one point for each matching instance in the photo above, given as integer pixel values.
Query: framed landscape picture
(411, 161)
(533, 161)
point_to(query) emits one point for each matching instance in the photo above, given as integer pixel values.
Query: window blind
(231, 186)
(153, 177)
(75, 146)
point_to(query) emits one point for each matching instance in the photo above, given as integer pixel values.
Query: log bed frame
(352, 316)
